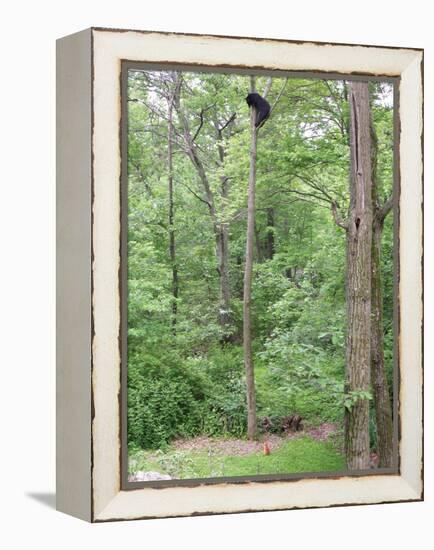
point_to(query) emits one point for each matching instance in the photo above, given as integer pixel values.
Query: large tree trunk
(247, 329)
(358, 288)
(383, 407)
(172, 244)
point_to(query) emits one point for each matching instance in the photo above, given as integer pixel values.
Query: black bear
(262, 108)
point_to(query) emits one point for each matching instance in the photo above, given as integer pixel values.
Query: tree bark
(383, 407)
(358, 287)
(247, 329)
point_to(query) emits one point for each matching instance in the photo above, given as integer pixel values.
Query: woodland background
(189, 154)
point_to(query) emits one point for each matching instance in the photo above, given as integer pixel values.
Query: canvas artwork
(239, 278)
(259, 263)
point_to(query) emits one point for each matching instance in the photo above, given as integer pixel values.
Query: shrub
(170, 397)
(222, 373)
(164, 401)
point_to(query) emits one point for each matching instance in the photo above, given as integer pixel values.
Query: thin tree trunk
(225, 313)
(358, 288)
(247, 329)
(259, 255)
(270, 233)
(221, 229)
(222, 251)
(383, 408)
(222, 243)
(172, 244)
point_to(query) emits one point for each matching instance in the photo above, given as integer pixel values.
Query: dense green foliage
(169, 397)
(185, 381)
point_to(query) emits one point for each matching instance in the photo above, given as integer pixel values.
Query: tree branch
(279, 95)
(228, 122)
(195, 194)
(385, 209)
(338, 220)
(200, 125)
(202, 111)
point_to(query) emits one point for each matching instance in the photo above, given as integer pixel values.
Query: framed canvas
(159, 410)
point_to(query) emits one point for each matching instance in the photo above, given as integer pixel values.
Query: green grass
(300, 455)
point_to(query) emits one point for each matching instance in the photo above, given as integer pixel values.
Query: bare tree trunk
(172, 244)
(383, 407)
(259, 255)
(247, 330)
(222, 251)
(222, 243)
(358, 288)
(270, 233)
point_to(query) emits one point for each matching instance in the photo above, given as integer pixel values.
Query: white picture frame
(89, 481)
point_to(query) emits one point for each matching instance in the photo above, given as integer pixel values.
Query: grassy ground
(299, 455)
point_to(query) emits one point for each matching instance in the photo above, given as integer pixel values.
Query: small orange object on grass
(267, 449)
